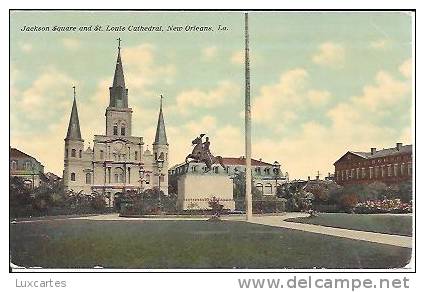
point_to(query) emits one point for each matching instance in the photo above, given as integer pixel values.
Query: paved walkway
(278, 221)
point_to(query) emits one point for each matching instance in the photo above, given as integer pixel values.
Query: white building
(26, 167)
(118, 161)
(268, 177)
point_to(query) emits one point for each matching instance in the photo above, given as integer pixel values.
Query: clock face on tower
(118, 146)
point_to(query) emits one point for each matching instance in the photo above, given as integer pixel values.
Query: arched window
(259, 187)
(115, 129)
(101, 154)
(136, 156)
(27, 165)
(28, 183)
(14, 165)
(268, 189)
(73, 153)
(72, 176)
(123, 130)
(88, 178)
(80, 153)
(118, 175)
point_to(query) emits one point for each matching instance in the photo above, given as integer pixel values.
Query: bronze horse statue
(200, 154)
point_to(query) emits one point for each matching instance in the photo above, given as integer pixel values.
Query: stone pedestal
(195, 191)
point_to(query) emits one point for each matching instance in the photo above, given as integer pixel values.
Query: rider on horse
(201, 153)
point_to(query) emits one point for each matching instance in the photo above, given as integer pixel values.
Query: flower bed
(383, 206)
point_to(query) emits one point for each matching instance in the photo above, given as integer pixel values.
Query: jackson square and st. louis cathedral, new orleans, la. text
(122, 28)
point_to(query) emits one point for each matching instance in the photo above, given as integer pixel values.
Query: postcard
(219, 140)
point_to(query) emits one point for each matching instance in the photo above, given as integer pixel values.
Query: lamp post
(276, 171)
(276, 167)
(160, 164)
(32, 175)
(141, 176)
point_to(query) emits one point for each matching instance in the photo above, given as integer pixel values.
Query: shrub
(216, 207)
(348, 202)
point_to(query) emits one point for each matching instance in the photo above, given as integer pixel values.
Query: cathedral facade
(118, 161)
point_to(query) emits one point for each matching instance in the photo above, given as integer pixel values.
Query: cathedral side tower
(160, 151)
(118, 114)
(73, 157)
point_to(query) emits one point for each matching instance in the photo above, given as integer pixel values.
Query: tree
(19, 193)
(323, 191)
(98, 202)
(405, 193)
(239, 187)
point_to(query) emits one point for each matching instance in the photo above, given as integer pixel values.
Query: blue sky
(322, 83)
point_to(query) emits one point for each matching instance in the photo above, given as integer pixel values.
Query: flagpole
(248, 194)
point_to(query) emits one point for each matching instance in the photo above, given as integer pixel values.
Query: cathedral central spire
(118, 92)
(119, 73)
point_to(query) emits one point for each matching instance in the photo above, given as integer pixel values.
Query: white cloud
(26, 47)
(280, 102)
(14, 75)
(142, 70)
(356, 124)
(385, 93)
(406, 68)
(196, 98)
(71, 43)
(238, 57)
(209, 53)
(380, 44)
(330, 54)
(51, 89)
(318, 97)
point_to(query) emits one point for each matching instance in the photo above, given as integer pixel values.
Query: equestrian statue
(201, 153)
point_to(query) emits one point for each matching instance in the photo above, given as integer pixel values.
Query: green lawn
(189, 244)
(400, 224)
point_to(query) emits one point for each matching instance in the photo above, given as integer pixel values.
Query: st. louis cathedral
(118, 161)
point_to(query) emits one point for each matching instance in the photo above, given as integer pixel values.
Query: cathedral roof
(74, 132)
(160, 136)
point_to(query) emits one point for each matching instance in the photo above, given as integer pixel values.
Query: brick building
(390, 166)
